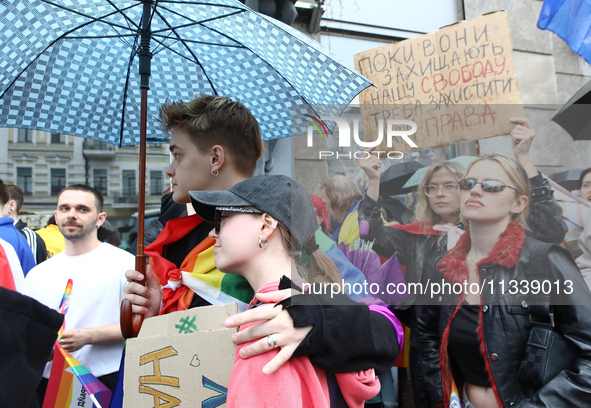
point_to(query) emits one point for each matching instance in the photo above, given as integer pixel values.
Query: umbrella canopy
(83, 68)
(73, 67)
(416, 178)
(575, 115)
(394, 177)
(396, 210)
(568, 179)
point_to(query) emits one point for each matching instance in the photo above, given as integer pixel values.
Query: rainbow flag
(199, 263)
(454, 397)
(72, 385)
(64, 305)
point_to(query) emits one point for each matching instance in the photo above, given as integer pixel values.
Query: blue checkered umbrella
(84, 68)
(73, 67)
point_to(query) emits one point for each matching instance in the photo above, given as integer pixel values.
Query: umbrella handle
(130, 322)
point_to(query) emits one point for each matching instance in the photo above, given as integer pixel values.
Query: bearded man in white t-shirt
(92, 331)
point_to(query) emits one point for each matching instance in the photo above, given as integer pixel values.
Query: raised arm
(545, 214)
(388, 240)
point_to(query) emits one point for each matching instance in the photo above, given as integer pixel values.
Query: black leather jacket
(505, 329)
(418, 252)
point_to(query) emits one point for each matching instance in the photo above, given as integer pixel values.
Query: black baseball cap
(279, 196)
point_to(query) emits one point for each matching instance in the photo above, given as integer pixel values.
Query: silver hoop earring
(261, 244)
(217, 172)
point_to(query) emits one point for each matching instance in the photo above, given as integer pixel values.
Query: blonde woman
(478, 337)
(263, 227)
(437, 228)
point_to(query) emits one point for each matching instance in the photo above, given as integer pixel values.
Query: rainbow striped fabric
(454, 398)
(64, 305)
(199, 263)
(72, 385)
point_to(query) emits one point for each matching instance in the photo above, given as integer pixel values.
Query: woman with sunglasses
(264, 230)
(478, 336)
(437, 228)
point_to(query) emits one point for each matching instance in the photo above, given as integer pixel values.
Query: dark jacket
(418, 252)
(505, 323)
(35, 241)
(419, 248)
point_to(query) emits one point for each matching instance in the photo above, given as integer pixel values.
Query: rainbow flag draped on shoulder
(199, 263)
(72, 385)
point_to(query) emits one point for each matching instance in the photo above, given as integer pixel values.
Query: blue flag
(571, 21)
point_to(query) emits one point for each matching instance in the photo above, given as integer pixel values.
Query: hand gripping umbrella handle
(132, 322)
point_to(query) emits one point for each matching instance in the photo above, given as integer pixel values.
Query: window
(58, 181)
(100, 180)
(25, 136)
(24, 179)
(128, 183)
(156, 182)
(57, 138)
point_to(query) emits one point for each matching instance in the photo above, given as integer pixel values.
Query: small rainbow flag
(65, 302)
(64, 305)
(454, 397)
(72, 385)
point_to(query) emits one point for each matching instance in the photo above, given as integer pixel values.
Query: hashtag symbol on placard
(187, 326)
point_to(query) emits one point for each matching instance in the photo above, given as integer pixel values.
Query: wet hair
(99, 201)
(518, 177)
(211, 120)
(15, 193)
(3, 193)
(341, 192)
(423, 210)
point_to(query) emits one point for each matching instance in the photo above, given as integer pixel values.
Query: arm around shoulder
(347, 336)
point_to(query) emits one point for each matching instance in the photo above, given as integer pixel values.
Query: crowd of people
(259, 240)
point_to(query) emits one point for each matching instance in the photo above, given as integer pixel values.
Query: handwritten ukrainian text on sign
(182, 359)
(455, 84)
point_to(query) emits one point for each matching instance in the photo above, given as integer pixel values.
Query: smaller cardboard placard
(181, 359)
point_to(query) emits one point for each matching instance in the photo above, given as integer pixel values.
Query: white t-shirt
(98, 281)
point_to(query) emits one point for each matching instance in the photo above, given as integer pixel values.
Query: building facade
(43, 163)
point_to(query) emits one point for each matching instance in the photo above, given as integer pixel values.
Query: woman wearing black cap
(264, 231)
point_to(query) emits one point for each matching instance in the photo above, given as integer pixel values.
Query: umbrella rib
(198, 42)
(41, 53)
(125, 91)
(95, 19)
(190, 52)
(273, 69)
(198, 22)
(201, 23)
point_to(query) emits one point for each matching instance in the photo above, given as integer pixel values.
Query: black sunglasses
(491, 186)
(217, 216)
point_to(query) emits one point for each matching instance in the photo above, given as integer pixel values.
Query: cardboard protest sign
(455, 84)
(181, 359)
